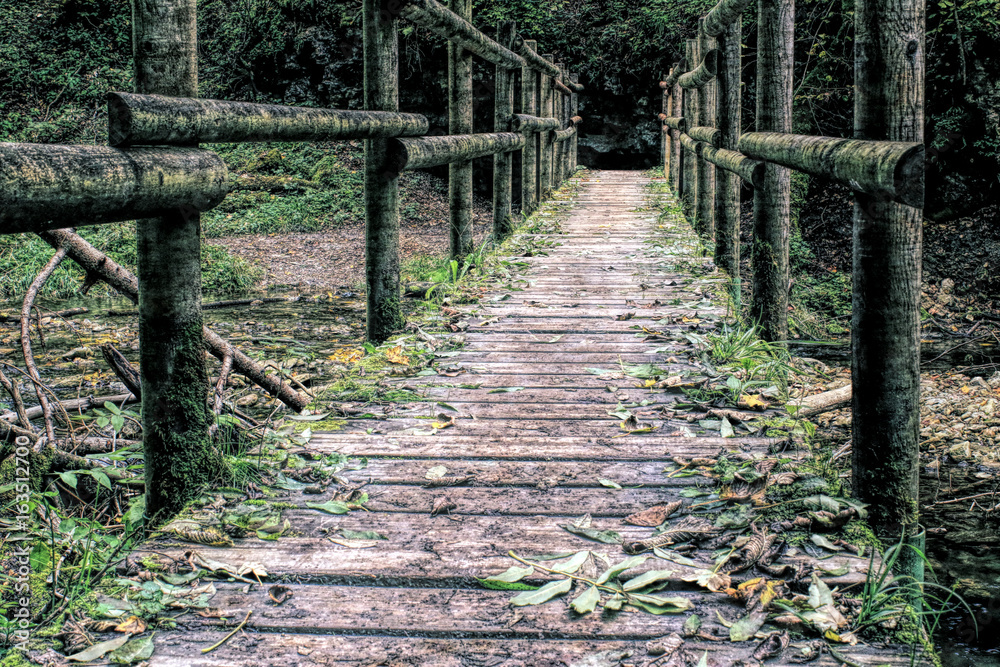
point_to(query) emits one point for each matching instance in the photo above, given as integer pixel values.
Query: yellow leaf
(754, 402)
(346, 355)
(395, 356)
(441, 425)
(132, 624)
(966, 389)
(650, 383)
(691, 320)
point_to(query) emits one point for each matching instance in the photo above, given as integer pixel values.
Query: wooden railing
(705, 157)
(154, 172)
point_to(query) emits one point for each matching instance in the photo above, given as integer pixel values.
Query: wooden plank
(519, 427)
(282, 650)
(503, 446)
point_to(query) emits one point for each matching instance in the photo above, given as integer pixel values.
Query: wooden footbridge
(550, 440)
(534, 446)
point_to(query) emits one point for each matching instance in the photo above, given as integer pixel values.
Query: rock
(947, 286)
(247, 401)
(978, 381)
(78, 353)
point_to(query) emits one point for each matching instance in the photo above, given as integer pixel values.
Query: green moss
(14, 658)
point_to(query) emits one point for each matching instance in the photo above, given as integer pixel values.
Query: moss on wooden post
(460, 122)
(456, 27)
(689, 181)
(564, 116)
(545, 110)
(503, 110)
(179, 457)
(678, 110)
(574, 112)
(706, 118)
(422, 152)
(665, 145)
(726, 19)
(381, 183)
(885, 342)
(529, 157)
(772, 200)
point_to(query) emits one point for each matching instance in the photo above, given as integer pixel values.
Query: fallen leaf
(582, 528)
(99, 650)
(133, 625)
(746, 627)
(512, 574)
(504, 390)
(279, 593)
(436, 472)
(654, 516)
(136, 650)
(609, 484)
(587, 601)
(442, 505)
(646, 578)
(394, 355)
(543, 594)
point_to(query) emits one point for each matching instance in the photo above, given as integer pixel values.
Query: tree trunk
(41, 186)
(381, 182)
(529, 109)
(503, 110)
(706, 118)
(179, 457)
(727, 196)
(460, 122)
(885, 341)
(771, 201)
(155, 119)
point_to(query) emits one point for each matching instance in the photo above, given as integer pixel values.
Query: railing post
(727, 203)
(675, 139)
(460, 122)
(179, 458)
(771, 201)
(381, 93)
(503, 112)
(689, 184)
(574, 112)
(667, 108)
(529, 157)
(885, 361)
(546, 93)
(706, 170)
(564, 117)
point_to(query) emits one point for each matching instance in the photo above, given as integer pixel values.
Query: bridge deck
(526, 461)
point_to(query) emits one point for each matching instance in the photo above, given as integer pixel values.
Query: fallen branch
(125, 371)
(69, 312)
(76, 404)
(825, 402)
(29, 358)
(15, 394)
(98, 264)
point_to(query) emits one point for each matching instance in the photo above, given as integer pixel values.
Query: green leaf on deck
(582, 528)
(627, 564)
(646, 578)
(134, 651)
(543, 594)
(573, 564)
(692, 625)
(610, 484)
(512, 574)
(587, 601)
(747, 627)
(330, 507)
(504, 390)
(361, 534)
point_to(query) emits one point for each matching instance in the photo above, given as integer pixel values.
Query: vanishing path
(522, 462)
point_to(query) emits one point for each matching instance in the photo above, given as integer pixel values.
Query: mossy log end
(691, 145)
(561, 87)
(751, 171)
(676, 123)
(525, 123)
(675, 73)
(704, 73)
(709, 135)
(43, 185)
(576, 120)
(575, 86)
(533, 60)
(437, 18)
(422, 152)
(152, 120)
(884, 169)
(723, 14)
(562, 135)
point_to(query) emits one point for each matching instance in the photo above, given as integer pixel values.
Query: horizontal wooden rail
(44, 186)
(562, 135)
(709, 135)
(689, 144)
(422, 152)
(437, 18)
(704, 73)
(675, 73)
(575, 86)
(561, 87)
(526, 123)
(533, 60)
(157, 120)
(722, 15)
(751, 171)
(675, 123)
(887, 169)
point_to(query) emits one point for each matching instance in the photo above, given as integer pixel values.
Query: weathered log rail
(155, 172)
(883, 164)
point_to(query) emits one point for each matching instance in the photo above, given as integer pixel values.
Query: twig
(29, 359)
(38, 383)
(962, 500)
(227, 366)
(15, 395)
(227, 637)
